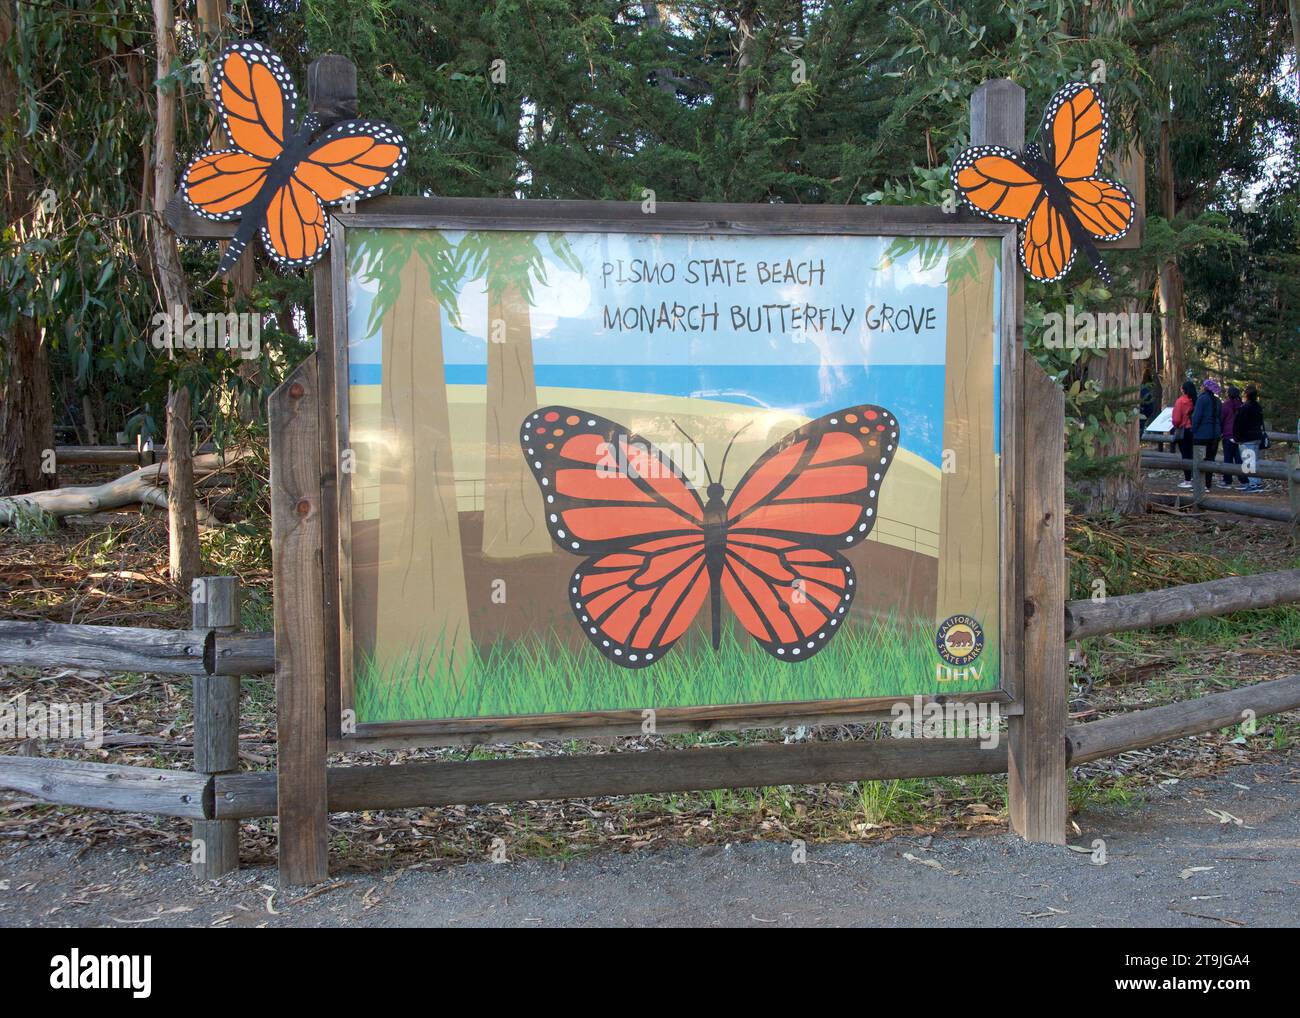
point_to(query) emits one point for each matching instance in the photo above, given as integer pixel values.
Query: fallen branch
(140, 487)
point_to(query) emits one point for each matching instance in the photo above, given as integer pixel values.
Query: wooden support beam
(109, 786)
(299, 627)
(401, 786)
(1142, 728)
(1036, 778)
(215, 606)
(1198, 473)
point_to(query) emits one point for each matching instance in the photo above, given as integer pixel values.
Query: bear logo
(960, 639)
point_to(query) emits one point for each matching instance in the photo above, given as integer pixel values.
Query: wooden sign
(606, 468)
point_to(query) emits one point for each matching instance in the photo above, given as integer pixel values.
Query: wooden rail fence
(215, 795)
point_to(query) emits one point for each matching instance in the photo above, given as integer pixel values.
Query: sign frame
(330, 278)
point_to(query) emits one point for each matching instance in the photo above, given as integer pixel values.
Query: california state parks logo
(960, 639)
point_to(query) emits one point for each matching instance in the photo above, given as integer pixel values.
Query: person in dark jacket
(1231, 450)
(1207, 420)
(1248, 431)
(1183, 426)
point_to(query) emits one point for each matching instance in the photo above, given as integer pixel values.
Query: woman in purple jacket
(1231, 450)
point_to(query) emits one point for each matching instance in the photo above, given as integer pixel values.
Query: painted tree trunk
(422, 615)
(969, 529)
(512, 506)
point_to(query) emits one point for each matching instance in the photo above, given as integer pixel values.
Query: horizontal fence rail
(1272, 469)
(109, 786)
(253, 794)
(194, 652)
(1274, 436)
(1179, 604)
(1226, 505)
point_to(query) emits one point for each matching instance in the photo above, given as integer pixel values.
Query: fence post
(215, 605)
(1198, 478)
(1293, 486)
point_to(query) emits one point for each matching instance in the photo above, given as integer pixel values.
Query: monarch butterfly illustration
(1052, 191)
(654, 550)
(279, 177)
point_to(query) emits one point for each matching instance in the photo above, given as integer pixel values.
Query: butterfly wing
(356, 159)
(616, 498)
(812, 494)
(1075, 131)
(1074, 136)
(218, 185)
(1046, 248)
(1104, 208)
(256, 98)
(996, 182)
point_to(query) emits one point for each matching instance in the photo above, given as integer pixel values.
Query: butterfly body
(1058, 196)
(715, 553)
(654, 551)
(1052, 190)
(278, 176)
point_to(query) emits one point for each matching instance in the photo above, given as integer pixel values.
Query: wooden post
(1036, 778)
(1036, 781)
(332, 94)
(1198, 478)
(215, 605)
(299, 626)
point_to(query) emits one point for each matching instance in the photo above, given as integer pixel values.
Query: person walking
(1231, 450)
(1248, 431)
(1183, 426)
(1207, 422)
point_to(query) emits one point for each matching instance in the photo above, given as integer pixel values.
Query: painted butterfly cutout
(655, 551)
(1052, 191)
(279, 177)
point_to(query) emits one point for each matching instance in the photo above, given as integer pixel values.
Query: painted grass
(881, 657)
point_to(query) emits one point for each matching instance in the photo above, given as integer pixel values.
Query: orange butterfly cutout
(1052, 191)
(654, 550)
(278, 178)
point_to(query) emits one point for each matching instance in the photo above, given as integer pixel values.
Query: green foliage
(757, 102)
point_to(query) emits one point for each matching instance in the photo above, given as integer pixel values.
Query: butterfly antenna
(722, 471)
(698, 449)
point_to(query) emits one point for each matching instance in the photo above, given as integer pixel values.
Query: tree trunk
(1170, 284)
(1295, 37)
(1122, 490)
(26, 418)
(183, 528)
(182, 514)
(513, 524)
(745, 23)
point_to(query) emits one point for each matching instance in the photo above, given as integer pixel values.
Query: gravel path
(1203, 852)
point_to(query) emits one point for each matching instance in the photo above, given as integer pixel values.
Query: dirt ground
(1196, 853)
